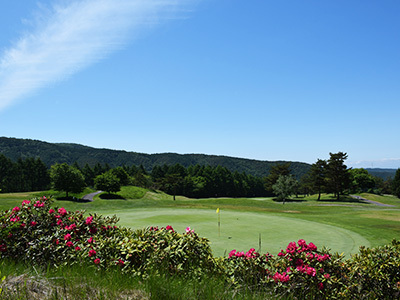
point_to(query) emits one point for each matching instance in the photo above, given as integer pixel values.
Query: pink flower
(322, 257)
(97, 261)
(93, 230)
(70, 227)
(327, 276)
(169, 227)
(38, 204)
(25, 202)
(281, 277)
(299, 262)
(77, 248)
(310, 271)
(291, 248)
(22, 225)
(280, 254)
(3, 248)
(59, 222)
(16, 209)
(232, 253)
(67, 237)
(309, 255)
(57, 241)
(188, 230)
(92, 253)
(16, 219)
(302, 243)
(90, 240)
(120, 262)
(301, 269)
(33, 223)
(89, 220)
(251, 253)
(320, 286)
(239, 254)
(69, 244)
(51, 211)
(62, 211)
(312, 247)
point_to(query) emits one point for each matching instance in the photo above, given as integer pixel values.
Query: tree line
(196, 181)
(24, 175)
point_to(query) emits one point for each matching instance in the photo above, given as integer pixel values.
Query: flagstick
(219, 225)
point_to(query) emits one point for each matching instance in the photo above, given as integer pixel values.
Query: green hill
(51, 153)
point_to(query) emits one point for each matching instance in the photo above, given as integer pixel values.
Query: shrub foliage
(39, 233)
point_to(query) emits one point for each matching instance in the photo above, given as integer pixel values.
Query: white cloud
(390, 163)
(70, 36)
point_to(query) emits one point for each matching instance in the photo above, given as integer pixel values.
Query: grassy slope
(342, 226)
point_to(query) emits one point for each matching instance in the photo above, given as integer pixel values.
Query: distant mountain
(382, 173)
(51, 153)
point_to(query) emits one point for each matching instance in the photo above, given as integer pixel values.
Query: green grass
(241, 230)
(341, 226)
(88, 282)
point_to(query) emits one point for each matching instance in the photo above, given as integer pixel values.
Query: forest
(194, 181)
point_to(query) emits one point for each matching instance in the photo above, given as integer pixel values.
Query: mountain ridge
(51, 153)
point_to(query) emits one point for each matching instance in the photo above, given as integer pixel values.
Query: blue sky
(269, 80)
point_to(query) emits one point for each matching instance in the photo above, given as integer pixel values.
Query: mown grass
(378, 225)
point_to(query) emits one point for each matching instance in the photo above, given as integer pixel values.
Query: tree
(317, 173)
(108, 182)
(396, 184)
(67, 178)
(89, 175)
(171, 182)
(122, 175)
(284, 187)
(337, 173)
(361, 180)
(274, 173)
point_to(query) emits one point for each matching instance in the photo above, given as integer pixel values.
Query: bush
(37, 233)
(375, 273)
(300, 271)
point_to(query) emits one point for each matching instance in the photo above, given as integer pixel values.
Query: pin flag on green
(219, 222)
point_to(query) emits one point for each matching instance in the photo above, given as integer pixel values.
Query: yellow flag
(217, 210)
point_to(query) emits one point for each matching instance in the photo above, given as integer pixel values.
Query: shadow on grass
(343, 199)
(297, 200)
(111, 197)
(72, 199)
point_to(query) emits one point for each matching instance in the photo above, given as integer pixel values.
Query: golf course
(243, 223)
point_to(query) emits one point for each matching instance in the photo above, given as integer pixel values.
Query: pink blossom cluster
(189, 231)
(249, 254)
(72, 229)
(278, 277)
(297, 264)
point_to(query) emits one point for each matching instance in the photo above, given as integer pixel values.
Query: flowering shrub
(41, 234)
(303, 271)
(38, 233)
(247, 269)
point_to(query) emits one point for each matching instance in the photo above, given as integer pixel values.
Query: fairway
(241, 230)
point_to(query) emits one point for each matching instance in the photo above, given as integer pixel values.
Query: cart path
(89, 197)
(370, 201)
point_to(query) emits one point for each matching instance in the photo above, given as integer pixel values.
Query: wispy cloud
(391, 163)
(72, 35)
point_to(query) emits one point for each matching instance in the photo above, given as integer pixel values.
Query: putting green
(241, 230)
